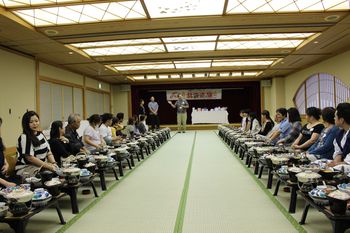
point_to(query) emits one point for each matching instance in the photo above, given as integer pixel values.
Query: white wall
(120, 100)
(17, 93)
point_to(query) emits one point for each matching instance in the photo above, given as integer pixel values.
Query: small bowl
(328, 174)
(54, 188)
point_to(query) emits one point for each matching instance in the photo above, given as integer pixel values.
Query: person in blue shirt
(284, 128)
(323, 148)
(153, 114)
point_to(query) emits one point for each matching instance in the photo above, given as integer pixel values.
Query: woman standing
(142, 110)
(58, 143)
(267, 123)
(33, 148)
(92, 137)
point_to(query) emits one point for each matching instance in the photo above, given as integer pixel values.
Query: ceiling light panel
(123, 50)
(144, 66)
(151, 76)
(116, 43)
(82, 13)
(278, 6)
(258, 44)
(192, 64)
(187, 76)
(140, 77)
(188, 39)
(267, 36)
(183, 8)
(28, 3)
(183, 47)
(246, 62)
(251, 73)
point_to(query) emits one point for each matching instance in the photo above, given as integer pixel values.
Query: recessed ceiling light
(316, 42)
(70, 53)
(331, 18)
(282, 62)
(51, 32)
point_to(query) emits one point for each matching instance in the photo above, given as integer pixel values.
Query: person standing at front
(153, 114)
(181, 105)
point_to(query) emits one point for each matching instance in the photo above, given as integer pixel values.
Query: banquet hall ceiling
(138, 41)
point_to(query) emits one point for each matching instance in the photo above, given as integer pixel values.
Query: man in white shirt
(342, 140)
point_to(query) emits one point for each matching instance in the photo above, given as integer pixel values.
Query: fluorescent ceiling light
(116, 42)
(138, 77)
(200, 75)
(246, 62)
(258, 44)
(187, 76)
(122, 50)
(83, 13)
(199, 46)
(163, 76)
(189, 39)
(192, 64)
(266, 36)
(183, 8)
(144, 66)
(174, 76)
(251, 73)
(151, 76)
(280, 6)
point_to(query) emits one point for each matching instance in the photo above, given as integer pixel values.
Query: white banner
(194, 94)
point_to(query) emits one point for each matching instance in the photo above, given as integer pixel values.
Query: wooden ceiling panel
(94, 69)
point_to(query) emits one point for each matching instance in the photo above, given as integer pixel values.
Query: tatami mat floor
(192, 184)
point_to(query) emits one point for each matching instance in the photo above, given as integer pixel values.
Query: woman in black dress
(142, 110)
(58, 143)
(266, 123)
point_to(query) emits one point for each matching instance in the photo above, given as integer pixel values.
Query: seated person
(92, 138)
(284, 126)
(142, 126)
(130, 128)
(342, 139)
(3, 165)
(33, 149)
(106, 130)
(120, 126)
(254, 126)
(323, 148)
(75, 143)
(310, 131)
(272, 131)
(136, 123)
(58, 143)
(244, 114)
(266, 123)
(295, 121)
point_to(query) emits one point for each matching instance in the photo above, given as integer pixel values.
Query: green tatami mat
(147, 201)
(222, 197)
